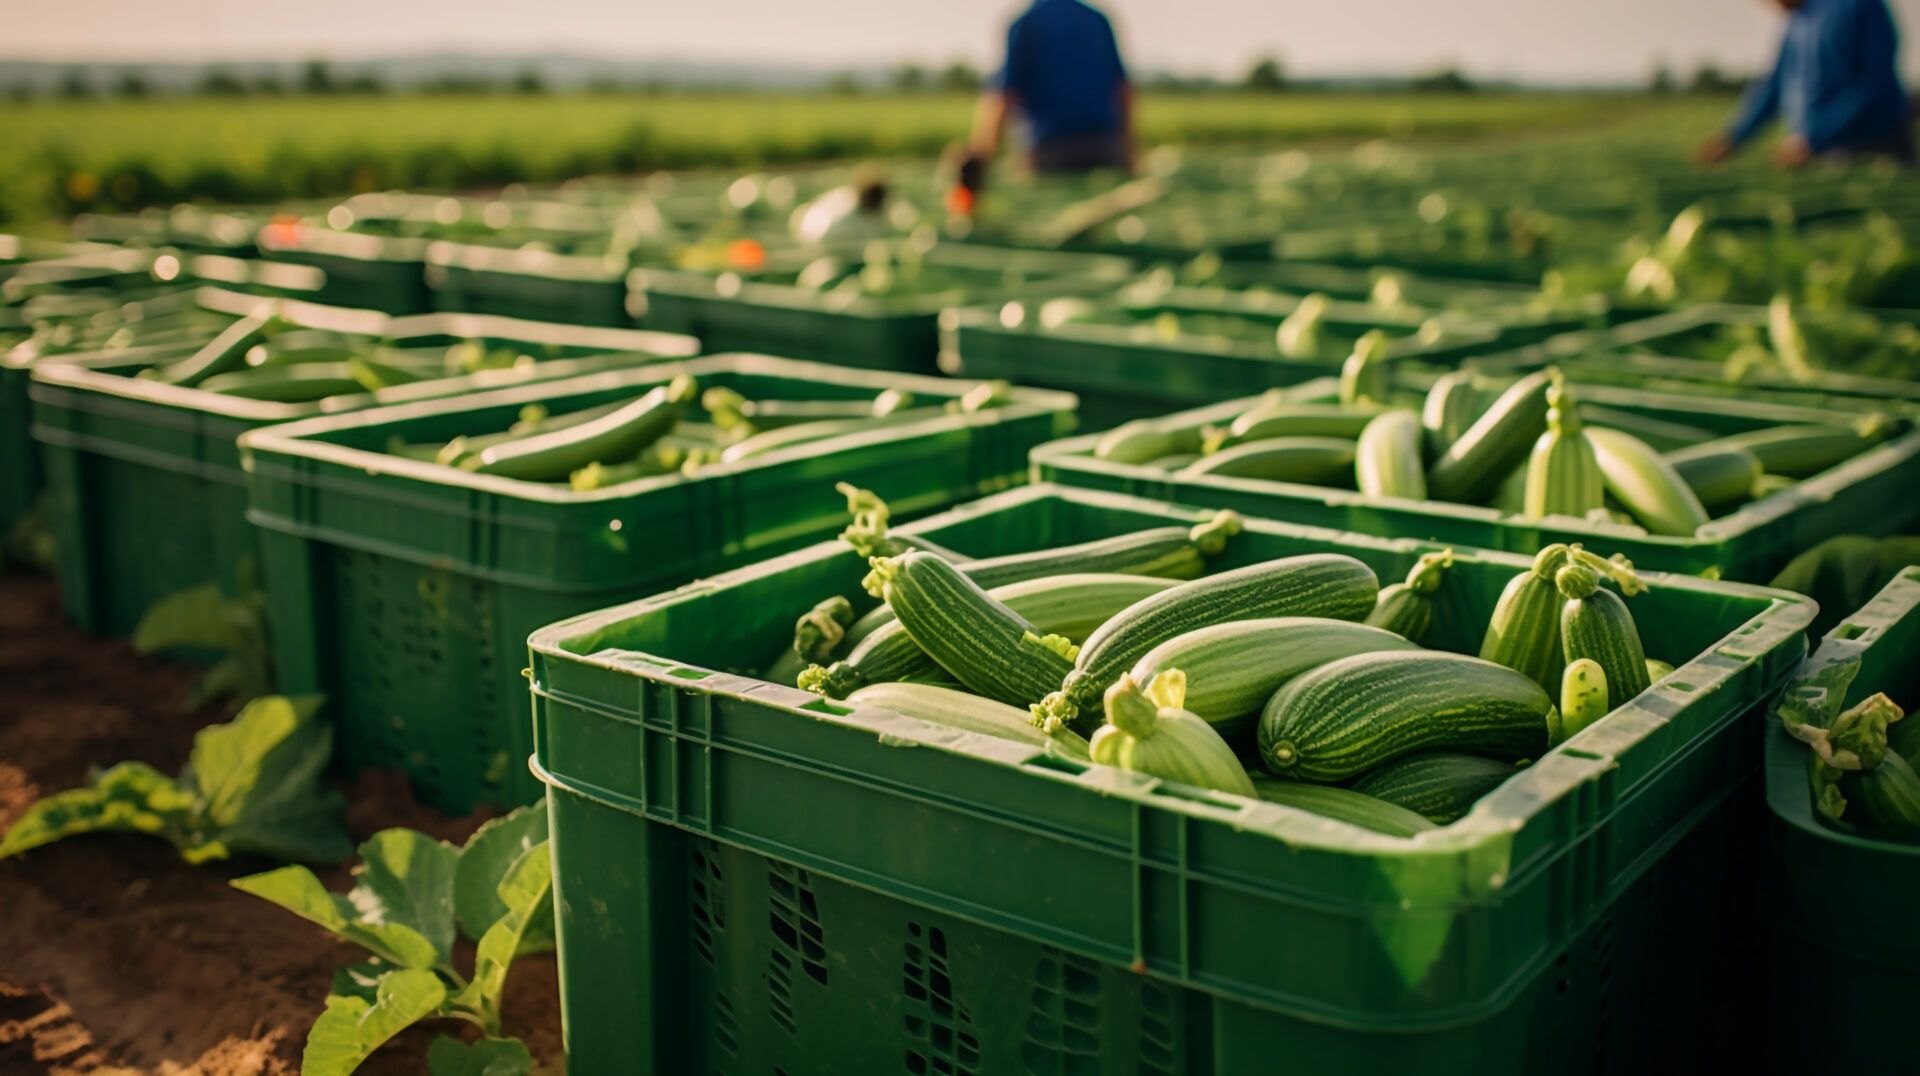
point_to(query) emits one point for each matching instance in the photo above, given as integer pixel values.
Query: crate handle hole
(826, 706)
(681, 672)
(1057, 764)
(1574, 752)
(1201, 795)
(1848, 631)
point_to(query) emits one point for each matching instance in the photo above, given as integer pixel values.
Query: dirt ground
(117, 958)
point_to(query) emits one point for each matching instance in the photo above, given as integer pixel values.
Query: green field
(63, 157)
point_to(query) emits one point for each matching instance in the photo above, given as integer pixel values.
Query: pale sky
(1557, 40)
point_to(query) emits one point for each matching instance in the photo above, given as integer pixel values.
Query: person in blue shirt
(1834, 87)
(1064, 80)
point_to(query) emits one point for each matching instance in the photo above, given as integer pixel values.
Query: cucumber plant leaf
(489, 1057)
(360, 980)
(131, 796)
(299, 891)
(527, 886)
(406, 878)
(484, 863)
(352, 1028)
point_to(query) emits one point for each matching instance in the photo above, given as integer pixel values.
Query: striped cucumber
(1070, 606)
(1721, 475)
(1524, 632)
(1885, 799)
(301, 383)
(1647, 484)
(618, 435)
(1353, 715)
(1266, 422)
(1563, 475)
(1388, 460)
(1233, 668)
(969, 713)
(1406, 609)
(1148, 731)
(1805, 451)
(1595, 623)
(1449, 410)
(1363, 377)
(1583, 696)
(1342, 805)
(1315, 584)
(991, 649)
(1440, 786)
(1314, 461)
(1144, 440)
(1472, 467)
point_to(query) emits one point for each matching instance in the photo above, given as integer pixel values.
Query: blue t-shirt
(1835, 82)
(1063, 69)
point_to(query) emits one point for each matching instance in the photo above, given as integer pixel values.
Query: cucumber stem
(1858, 738)
(885, 570)
(820, 629)
(1563, 413)
(835, 681)
(1577, 582)
(1129, 709)
(1428, 571)
(726, 407)
(1211, 537)
(1617, 568)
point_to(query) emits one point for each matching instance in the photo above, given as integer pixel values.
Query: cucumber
(1268, 421)
(1563, 474)
(1440, 786)
(969, 713)
(1805, 451)
(1583, 696)
(1885, 799)
(1722, 476)
(619, 435)
(1353, 715)
(1449, 410)
(1315, 584)
(806, 433)
(1595, 623)
(1388, 460)
(1342, 805)
(1524, 632)
(1233, 668)
(1071, 606)
(1149, 731)
(1315, 461)
(287, 384)
(1144, 440)
(1473, 466)
(1647, 484)
(222, 354)
(991, 649)
(729, 409)
(1406, 609)
(1363, 377)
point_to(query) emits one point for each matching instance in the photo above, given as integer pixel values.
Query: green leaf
(489, 1057)
(351, 1028)
(527, 886)
(259, 779)
(131, 796)
(360, 980)
(197, 618)
(406, 878)
(484, 862)
(299, 891)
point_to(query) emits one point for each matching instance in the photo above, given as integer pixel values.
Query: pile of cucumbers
(1528, 448)
(1299, 680)
(674, 428)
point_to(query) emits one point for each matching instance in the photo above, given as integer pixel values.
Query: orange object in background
(960, 201)
(746, 254)
(283, 230)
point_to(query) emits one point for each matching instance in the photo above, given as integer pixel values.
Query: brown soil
(117, 959)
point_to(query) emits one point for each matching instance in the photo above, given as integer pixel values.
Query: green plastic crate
(405, 591)
(1869, 494)
(751, 879)
(1127, 371)
(529, 283)
(363, 271)
(1841, 903)
(732, 312)
(146, 489)
(1634, 354)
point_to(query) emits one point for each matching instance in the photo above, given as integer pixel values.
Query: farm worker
(1834, 87)
(1064, 79)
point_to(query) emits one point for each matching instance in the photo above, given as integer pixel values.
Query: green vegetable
(1315, 584)
(1148, 732)
(1300, 334)
(1317, 461)
(1449, 410)
(1364, 377)
(1647, 484)
(1388, 459)
(1524, 632)
(988, 647)
(1440, 786)
(1353, 715)
(1563, 475)
(1805, 451)
(1595, 624)
(1583, 695)
(1406, 609)
(287, 384)
(1267, 421)
(1472, 467)
(970, 713)
(1342, 805)
(1721, 475)
(1144, 440)
(619, 435)
(224, 353)
(1233, 668)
